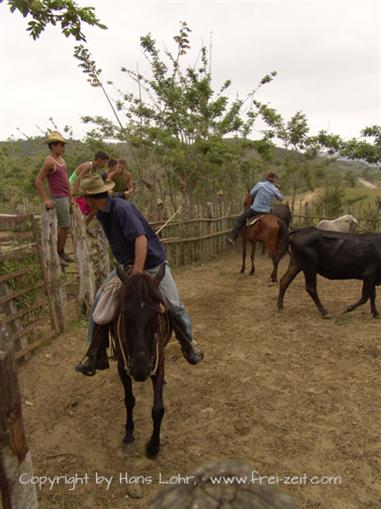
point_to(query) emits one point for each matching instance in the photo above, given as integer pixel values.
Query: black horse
(141, 331)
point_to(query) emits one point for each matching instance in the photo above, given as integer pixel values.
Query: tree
(368, 151)
(176, 123)
(52, 12)
(300, 164)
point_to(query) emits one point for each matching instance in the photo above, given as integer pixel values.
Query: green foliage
(332, 200)
(300, 167)
(177, 124)
(365, 150)
(52, 12)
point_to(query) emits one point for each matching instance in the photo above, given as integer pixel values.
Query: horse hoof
(152, 450)
(252, 273)
(376, 316)
(128, 439)
(272, 283)
(326, 316)
(242, 271)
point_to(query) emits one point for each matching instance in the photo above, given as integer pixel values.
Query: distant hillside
(21, 160)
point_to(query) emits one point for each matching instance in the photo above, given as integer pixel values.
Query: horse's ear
(121, 273)
(159, 275)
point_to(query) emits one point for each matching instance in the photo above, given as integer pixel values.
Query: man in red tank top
(59, 198)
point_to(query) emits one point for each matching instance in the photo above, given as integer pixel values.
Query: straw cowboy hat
(94, 184)
(55, 137)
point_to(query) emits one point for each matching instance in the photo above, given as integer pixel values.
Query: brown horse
(141, 332)
(272, 231)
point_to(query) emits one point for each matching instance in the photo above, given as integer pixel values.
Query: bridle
(121, 338)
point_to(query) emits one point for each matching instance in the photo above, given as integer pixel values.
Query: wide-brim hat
(94, 184)
(54, 137)
(271, 177)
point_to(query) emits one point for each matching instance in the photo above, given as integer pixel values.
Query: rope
(119, 338)
(154, 371)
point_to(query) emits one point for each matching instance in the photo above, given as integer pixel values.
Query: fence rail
(24, 307)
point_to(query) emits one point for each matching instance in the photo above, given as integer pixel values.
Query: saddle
(251, 222)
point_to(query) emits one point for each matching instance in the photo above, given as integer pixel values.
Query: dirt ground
(287, 393)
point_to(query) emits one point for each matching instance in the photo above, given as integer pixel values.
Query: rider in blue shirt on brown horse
(263, 194)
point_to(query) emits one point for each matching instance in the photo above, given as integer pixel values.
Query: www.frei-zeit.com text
(76, 480)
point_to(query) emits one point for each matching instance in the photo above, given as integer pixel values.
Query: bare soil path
(287, 393)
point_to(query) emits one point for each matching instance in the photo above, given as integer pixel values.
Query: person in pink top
(92, 167)
(55, 172)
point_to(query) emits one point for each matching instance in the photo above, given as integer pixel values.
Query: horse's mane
(140, 287)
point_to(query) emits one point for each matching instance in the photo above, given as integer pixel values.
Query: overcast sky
(327, 55)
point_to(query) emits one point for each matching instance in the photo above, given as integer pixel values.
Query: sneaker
(65, 257)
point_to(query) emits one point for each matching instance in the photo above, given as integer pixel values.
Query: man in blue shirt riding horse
(136, 246)
(263, 194)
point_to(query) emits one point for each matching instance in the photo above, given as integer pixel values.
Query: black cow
(334, 255)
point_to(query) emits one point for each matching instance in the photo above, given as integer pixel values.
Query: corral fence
(309, 214)
(34, 291)
(24, 288)
(33, 296)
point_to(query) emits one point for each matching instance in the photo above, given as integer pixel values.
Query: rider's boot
(189, 347)
(96, 355)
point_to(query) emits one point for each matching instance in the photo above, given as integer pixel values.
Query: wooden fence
(34, 290)
(24, 306)
(369, 224)
(368, 217)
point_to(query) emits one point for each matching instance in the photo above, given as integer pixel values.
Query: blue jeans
(180, 318)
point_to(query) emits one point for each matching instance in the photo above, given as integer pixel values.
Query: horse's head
(248, 201)
(141, 304)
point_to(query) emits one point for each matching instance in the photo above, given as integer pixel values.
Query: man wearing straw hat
(54, 171)
(136, 246)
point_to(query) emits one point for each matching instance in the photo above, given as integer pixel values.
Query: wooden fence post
(306, 218)
(102, 260)
(51, 264)
(48, 290)
(15, 458)
(86, 292)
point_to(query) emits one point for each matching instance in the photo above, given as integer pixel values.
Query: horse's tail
(283, 238)
(288, 247)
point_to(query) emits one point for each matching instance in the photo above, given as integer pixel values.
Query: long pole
(168, 221)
